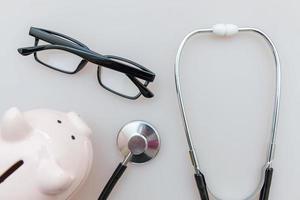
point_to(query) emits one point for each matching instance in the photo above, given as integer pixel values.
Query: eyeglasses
(67, 55)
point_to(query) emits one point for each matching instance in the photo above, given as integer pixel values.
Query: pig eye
(73, 137)
(58, 121)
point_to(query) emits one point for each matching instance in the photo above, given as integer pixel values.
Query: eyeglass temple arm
(143, 89)
(26, 51)
(55, 38)
(94, 58)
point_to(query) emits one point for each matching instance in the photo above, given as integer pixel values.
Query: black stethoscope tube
(139, 142)
(112, 181)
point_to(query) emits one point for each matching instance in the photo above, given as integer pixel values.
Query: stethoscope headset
(263, 188)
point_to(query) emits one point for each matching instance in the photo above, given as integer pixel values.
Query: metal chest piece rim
(140, 139)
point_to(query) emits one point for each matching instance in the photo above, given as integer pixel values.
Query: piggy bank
(44, 154)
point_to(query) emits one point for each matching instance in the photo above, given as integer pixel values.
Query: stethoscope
(263, 188)
(138, 142)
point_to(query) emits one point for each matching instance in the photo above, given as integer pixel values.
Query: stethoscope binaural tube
(229, 30)
(138, 142)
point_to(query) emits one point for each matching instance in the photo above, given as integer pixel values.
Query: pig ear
(14, 125)
(52, 179)
(80, 125)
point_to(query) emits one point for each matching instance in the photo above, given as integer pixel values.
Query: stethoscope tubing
(264, 186)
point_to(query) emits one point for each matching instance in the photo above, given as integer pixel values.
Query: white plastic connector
(225, 29)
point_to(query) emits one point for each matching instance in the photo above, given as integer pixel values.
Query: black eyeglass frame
(63, 42)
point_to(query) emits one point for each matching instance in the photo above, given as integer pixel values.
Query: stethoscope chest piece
(140, 139)
(138, 142)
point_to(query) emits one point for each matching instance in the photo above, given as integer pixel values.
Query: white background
(228, 85)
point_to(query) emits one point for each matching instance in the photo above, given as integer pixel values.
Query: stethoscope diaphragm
(139, 142)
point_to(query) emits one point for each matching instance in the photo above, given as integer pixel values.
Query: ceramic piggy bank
(44, 155)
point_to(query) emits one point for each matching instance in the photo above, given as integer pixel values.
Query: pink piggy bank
(44, 154)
